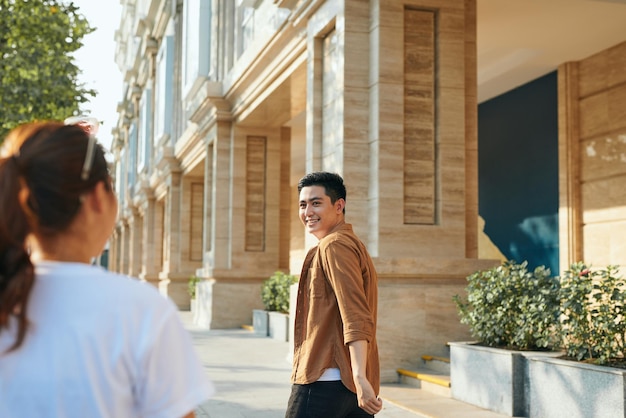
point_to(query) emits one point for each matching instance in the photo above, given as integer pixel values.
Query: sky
(96, 59)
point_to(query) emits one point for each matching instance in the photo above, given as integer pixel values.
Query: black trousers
(323, 400)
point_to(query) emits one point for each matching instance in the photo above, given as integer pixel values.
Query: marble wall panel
(237, 206)
(602, 71)
(159, 233)
(593, 74)
(136, 245)
(196, 223)
(601, 162)
(176, 289)
(616, 64)
(422, 241)
(228, 304)
(356, 114)
(452, 173)
(357, 179)
(220, 252)
(390, 100)
(389, 49)
(453, 19)
(451, 109)
(288, 201)
(604, 200)
(356, 58)
(357, 16)
(451, 60)
(256, 164)
(419, 122)
(603, 113)
(603, 156)
(189, 225)
(424, 311)
(604, 244)
(390, 177)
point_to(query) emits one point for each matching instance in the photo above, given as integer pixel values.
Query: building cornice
(270, 66)
(161, 18)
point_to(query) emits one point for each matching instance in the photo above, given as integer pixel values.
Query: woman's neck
(62, 248)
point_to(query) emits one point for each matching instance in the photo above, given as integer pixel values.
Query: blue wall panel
(518, 172)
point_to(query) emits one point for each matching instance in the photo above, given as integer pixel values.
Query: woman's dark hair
(332, 183)
(40, 192)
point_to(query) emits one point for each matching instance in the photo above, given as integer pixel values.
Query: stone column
(410, 162)
(113, 243)
(150, 259)
(221, 245)
(570, 212)
(136, 240)
(125, 247)
(173, 281)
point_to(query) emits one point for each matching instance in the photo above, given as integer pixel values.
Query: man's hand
(368, 401)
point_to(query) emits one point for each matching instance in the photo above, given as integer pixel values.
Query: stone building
(227, 103)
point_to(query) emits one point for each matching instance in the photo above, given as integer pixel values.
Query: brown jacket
(337, 304)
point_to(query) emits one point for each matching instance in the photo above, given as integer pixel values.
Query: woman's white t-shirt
(99, 345)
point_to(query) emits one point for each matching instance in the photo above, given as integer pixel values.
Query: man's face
(317, 213)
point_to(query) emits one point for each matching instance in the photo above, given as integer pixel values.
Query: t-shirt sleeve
(173, 381)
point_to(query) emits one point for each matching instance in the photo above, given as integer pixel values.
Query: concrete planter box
(260, 322)
(492, 378)
(564, 388)
(279, 326)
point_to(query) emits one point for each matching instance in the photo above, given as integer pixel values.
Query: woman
(76, 340)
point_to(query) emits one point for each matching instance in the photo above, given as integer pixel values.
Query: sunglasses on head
(90, 125)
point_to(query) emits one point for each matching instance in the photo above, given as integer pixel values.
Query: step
(426, 404)
(426, 379)
(440, 364)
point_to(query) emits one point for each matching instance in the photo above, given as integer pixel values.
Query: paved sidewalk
(251, 375)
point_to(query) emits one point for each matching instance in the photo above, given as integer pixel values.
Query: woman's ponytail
(17, 273)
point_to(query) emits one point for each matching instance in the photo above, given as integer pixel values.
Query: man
(335, 368)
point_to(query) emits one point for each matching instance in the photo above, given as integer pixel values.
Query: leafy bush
(509, 306)
(592, 307)
(275, 291)
(191, 286)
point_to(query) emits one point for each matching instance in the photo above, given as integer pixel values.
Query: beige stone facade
(228, 103)
(592, 157)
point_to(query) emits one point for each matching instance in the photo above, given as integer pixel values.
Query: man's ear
(340, 204)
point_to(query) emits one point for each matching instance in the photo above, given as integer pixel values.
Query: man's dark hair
(331, 182)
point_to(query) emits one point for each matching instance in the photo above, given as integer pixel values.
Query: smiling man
(335, 368)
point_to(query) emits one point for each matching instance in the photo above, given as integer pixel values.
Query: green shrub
(511, 307)
(191, 286)
(592, 308)
(275, 291)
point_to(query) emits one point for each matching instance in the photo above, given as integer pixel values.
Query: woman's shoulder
(97, 281)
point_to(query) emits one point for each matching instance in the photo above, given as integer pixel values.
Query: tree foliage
(38, 75)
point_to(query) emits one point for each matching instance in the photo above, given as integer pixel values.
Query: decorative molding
(570, 212)
(286, 4)
(420, 171)
(256, 162)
